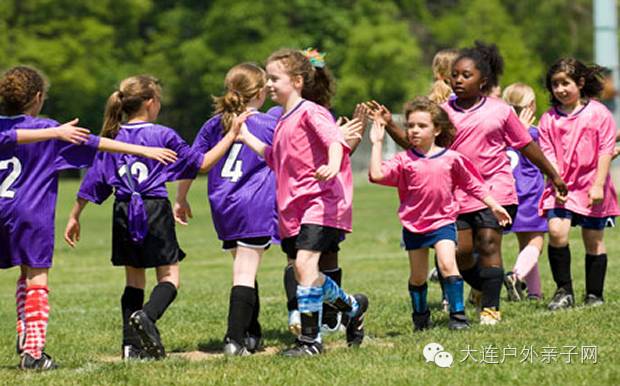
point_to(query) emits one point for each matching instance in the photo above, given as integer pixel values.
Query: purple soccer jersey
(241, 187)
(8, 139)
(530, 184)
(149, 177)
(28, 191)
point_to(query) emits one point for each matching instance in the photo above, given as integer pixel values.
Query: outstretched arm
(72, 230)
(159, 154)
(218, 151)
(394, 131)
(68, 132)
(377, 132)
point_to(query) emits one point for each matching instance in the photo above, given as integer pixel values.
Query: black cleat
(232, 349)
(131, 352)
(355, 327)
(458, 322)
(592, 300)
(562, 299)
(253, 343)
(422, 320)
(149, 334)
(304, 349)
(44, 363)
(515, 288)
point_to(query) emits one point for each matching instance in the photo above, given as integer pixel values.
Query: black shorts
(313, 237)
(160, 246)
(262, 242)
(484, 218)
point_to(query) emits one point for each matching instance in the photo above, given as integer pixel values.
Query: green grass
(84, 333)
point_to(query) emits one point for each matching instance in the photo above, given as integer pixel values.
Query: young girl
(528, 225)
(28, 189)
(242, 198)
(426, 176)
(442, 69)
(485, 127)
(143, 234)
(314, 189)
(577, 134)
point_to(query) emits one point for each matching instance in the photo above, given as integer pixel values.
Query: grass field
(84, 333)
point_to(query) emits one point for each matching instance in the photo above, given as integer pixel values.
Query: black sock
(162, 296)
(471, 276)
(255, 329)
(131, 301)
(492, 279)
(309, 326)
(290, 286)
(441, 280)
(559, 260)
(240, 309)
(330, 314)
(596, 267)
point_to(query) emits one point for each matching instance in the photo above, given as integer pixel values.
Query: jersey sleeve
(515, 134)
(70, 156)
(8, 139)
(466, 176)
(204, 140)
(391, 170)
(607, 138)
(322, 124)
(544, 139)
(94, 186)
(188, 161)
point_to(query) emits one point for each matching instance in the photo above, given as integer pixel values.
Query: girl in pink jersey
(485, 127)
(314, 190)
(578, 135)
(426, 176)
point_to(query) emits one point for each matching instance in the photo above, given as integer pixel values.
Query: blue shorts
(586, 222)
(413, 241)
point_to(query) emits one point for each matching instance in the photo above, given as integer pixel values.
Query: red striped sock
(37, 313)
(20, 304)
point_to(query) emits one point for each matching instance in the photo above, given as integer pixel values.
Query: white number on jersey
(8, 181)
(514, 158)
(138, 170)
(232, 166)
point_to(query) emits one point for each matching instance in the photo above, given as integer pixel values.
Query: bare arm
(377, 132)
(181, 209)
(67, 132)
(218, 151)
(334, 160)
(72, 230)
(499, 212)
(533, 153)
(160, 154)
(394, 131)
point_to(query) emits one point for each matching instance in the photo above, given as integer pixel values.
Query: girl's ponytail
(113, 115)
(440, 92)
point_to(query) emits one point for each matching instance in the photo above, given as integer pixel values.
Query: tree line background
(376, 50)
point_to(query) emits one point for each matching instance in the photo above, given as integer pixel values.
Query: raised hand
(526, 116)
(377, 131)
(379, 112)
(352, 129)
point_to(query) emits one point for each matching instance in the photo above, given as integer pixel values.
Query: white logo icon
(434, 352)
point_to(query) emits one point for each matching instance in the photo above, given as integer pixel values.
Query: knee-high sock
(335, 295)
(454, 293)
(242, 302)
(255, 328)
(596, 267)
(492, 280)
(418, 294)
(290, 286)
(162, 296)
(526, 261)
(131, 301)
(559, 260)
(472, 277)
(532, 280)
(310, 300)
(37, 314)
(330, 313)
(20, 306)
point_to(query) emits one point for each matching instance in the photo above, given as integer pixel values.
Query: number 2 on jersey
(10, 179)
(232, 166)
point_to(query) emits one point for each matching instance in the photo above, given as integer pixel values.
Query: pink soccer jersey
(483, 132)
(426, 187)
(300, 145)
(573, 144)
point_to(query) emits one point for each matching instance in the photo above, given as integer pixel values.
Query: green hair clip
(316, 58)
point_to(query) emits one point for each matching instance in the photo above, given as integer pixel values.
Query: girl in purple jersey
(242, 198)
(143, 234)
(529, 226)
(28, 190)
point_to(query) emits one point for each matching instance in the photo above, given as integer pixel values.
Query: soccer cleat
(294, 322)
(421, 321)
(534, 297)
(475, 298)
(333, 325)
(149, 334)
(489, 316)
(304, 349)
(593, 300)
(458, 322)
(355, 328)
(514, 287)
(253, 343)
(131, 352)
(44, 363)
(562, 299)
(232, 348)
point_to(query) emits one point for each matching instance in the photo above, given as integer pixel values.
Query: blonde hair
(127, 101)
(243, 82)
(519, 96)
(439, 117)
(442, 71)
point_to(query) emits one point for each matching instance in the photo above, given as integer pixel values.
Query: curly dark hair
(592, 77)
(488, 61)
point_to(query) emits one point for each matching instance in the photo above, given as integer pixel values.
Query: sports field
(530, 346)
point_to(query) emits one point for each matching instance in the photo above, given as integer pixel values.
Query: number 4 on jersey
(232, 166)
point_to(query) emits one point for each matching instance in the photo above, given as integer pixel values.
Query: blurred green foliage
(376, 50)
